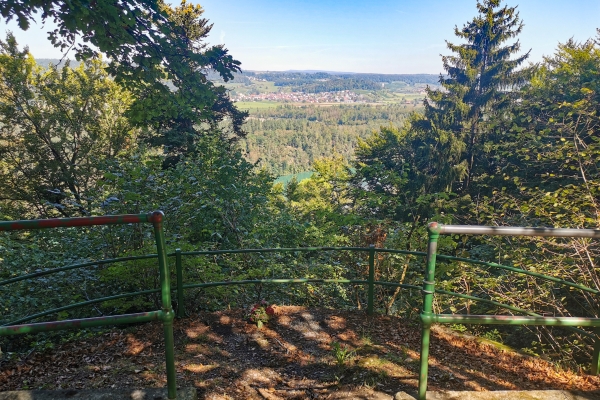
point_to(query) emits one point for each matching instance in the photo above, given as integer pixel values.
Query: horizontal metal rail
(271, 250)
(428, 317)
(264, 281)
(521, 271)
(78, 305)
(76, 266)
(82, 323)
(297, 249)
(80, 221)
(509, 307)
(510, 320)
(513, 231)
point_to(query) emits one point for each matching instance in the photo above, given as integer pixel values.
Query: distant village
(344, 96)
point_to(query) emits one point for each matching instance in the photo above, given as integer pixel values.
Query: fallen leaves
(225, 357)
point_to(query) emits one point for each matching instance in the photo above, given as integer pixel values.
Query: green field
(265, 87)
(401, 98)
(260, 87)
(256, 105)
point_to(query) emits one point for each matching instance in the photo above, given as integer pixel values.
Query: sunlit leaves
(57, 129)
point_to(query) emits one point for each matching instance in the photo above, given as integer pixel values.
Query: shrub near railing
(370, 283)
(165, 314)
(428, 316)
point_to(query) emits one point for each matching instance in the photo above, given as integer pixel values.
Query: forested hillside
(300, 79)
(373, 88)
(289, 138)
(297, 117)
(498, 142)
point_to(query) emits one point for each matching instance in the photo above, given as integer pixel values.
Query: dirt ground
(291, 357)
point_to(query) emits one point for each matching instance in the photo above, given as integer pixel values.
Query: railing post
(596, 356)
(179, 269)
(426, 315)
(371, 289)
(167, 310)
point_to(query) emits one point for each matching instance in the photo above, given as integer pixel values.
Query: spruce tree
(411, 174)
(476, 89)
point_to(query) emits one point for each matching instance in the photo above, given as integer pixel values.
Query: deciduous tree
(155, 51)
(58, 128)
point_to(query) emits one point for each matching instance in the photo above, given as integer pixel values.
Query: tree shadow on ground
(225, 357)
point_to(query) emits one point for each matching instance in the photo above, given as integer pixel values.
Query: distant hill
(320, 81)
(284, 78)
(46, 62)
(297, 78)
(354, 80)
(312, 71)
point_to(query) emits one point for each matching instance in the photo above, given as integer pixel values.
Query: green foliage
(34, 251)
(411, 174)
(58, 130)
(481, 75)
(549, 172)
(192, 106)
(397, 176)
(323, 197)
(288, 139)
(341, 353)
(156, 52)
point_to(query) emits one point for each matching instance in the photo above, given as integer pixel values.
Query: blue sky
(380, 36)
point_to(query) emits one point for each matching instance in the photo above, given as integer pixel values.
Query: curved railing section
(165, 314)
(428, 289)
(428, 317)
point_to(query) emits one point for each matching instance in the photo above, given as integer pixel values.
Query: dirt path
(224, 357)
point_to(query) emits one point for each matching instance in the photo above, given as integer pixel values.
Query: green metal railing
(166, 314)
(428, 317)
(428, 289)
(370, 281)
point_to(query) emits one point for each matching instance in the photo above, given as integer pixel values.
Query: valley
(298, 117)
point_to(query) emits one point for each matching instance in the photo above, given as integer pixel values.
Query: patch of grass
(341, 354)
(365, 337)
(256, 105)
(371, 362)
(458, 328)
(377, 377)
(493, 335)
(395, 358)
